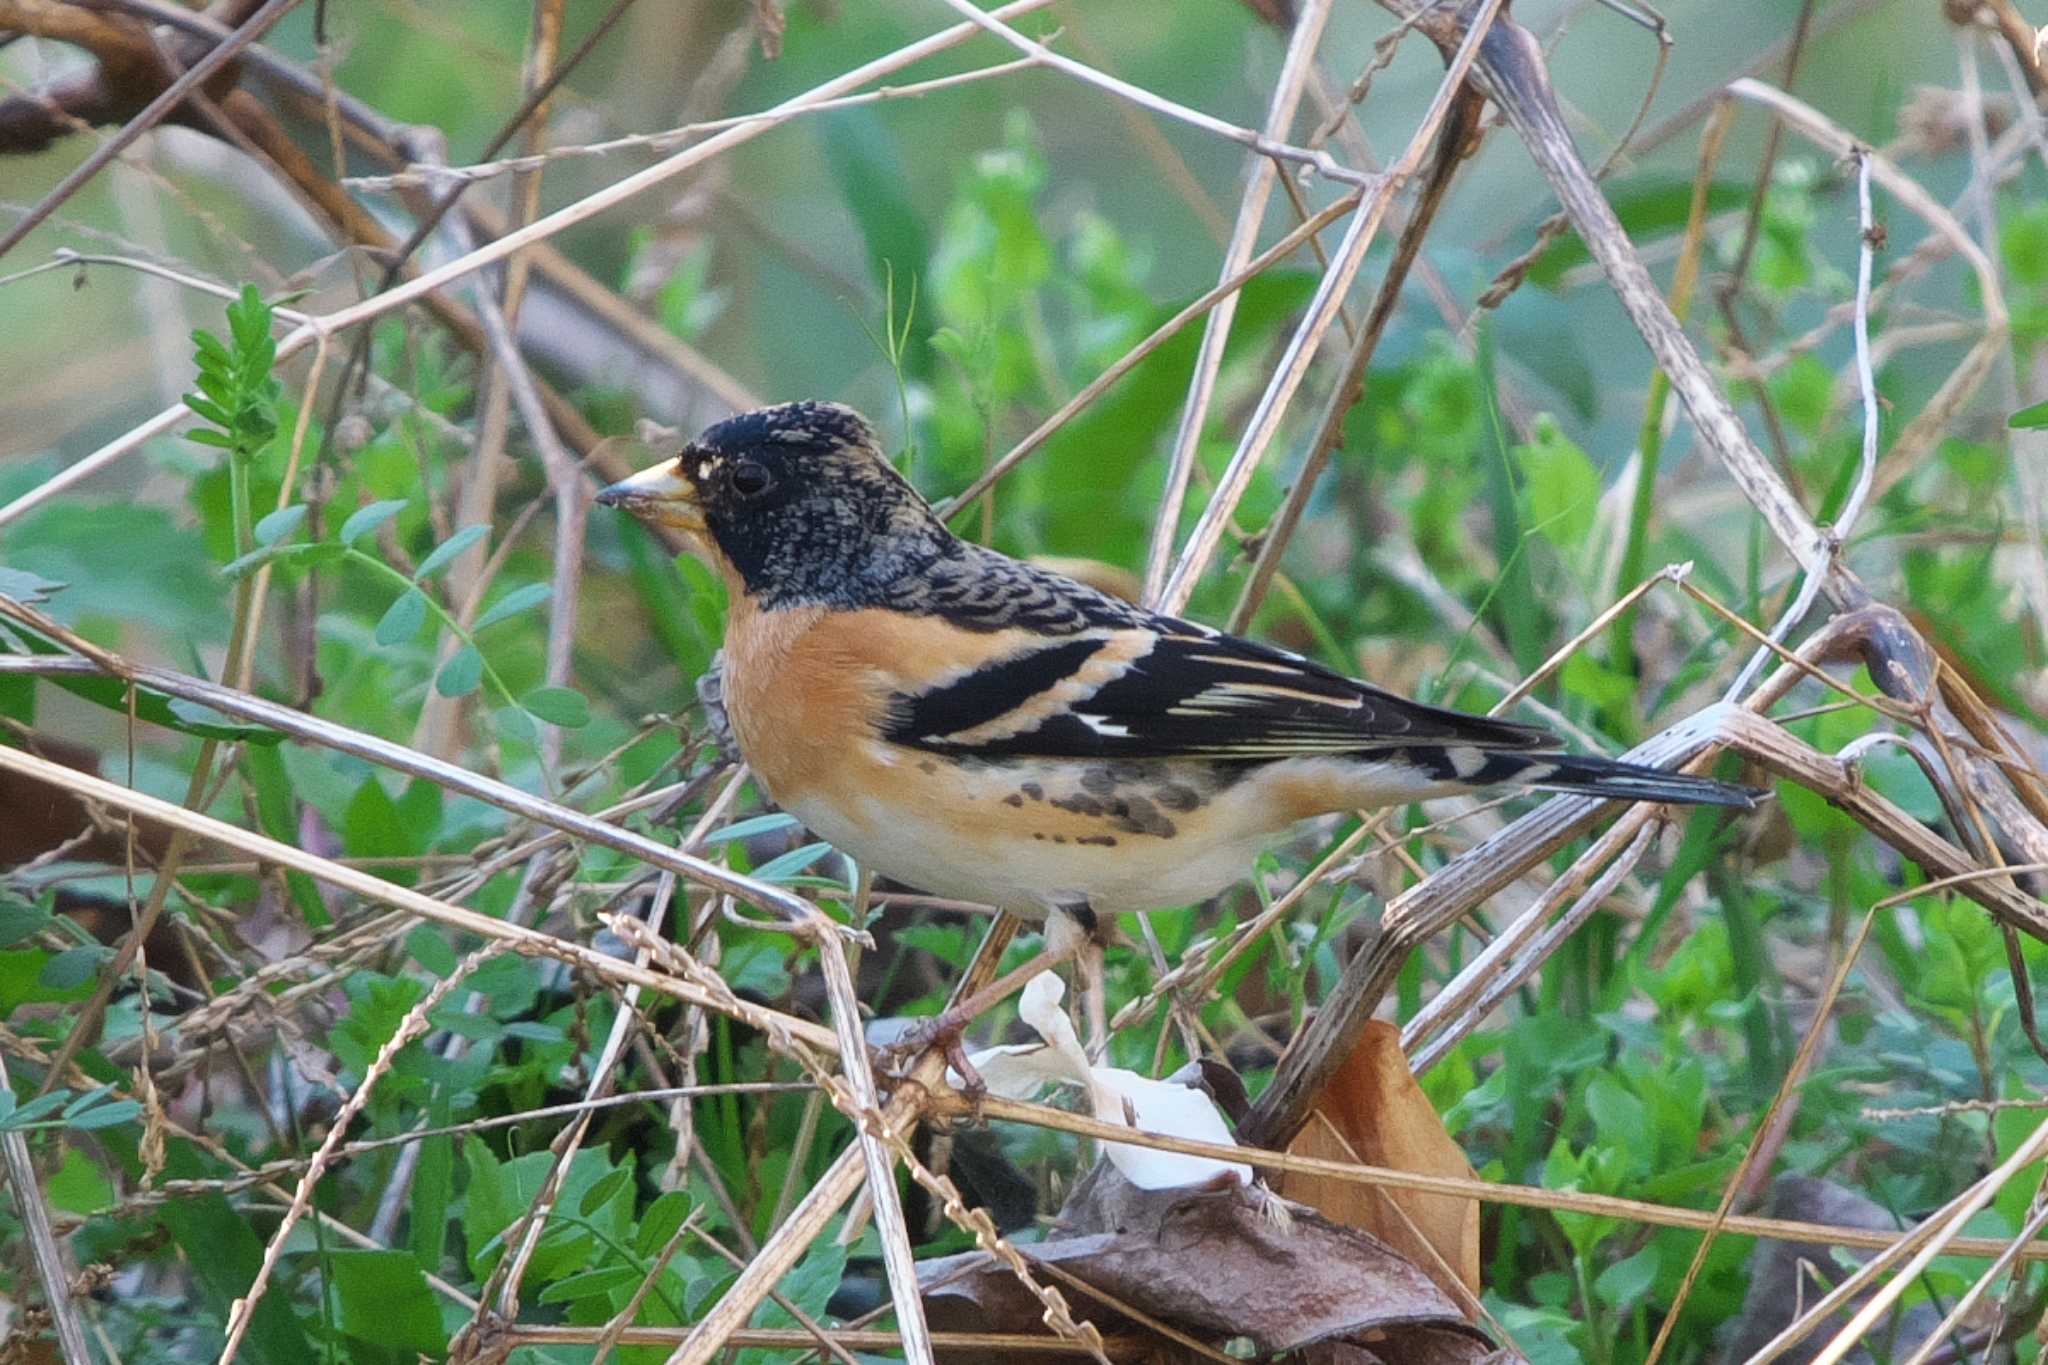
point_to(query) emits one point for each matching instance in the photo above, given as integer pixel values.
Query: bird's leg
(1093, 995)
(1067, 936)
(947, 1029)
(1083, 935)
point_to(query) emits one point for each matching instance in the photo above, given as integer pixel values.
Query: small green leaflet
(460, 675)
(2031, 418)
(27, 588)
(404, 618)
(369, 519)
(563, 706)
(789, 864)
(314, 552)
(511, 604)
(280, 524)
(748, 828)
(446, 552)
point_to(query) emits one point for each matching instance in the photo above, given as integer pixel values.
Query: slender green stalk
(441, 614)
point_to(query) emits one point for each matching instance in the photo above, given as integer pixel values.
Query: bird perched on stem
(988, 730)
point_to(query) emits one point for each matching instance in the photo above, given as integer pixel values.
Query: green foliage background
(957, 266)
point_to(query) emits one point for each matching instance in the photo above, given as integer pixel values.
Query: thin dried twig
(152, 114)
(410, 1027)
(1295, 69)
(256, 710)
(520, 939)
(1128, 361)
(433, 177)
(430, 281)
(1964, 382)
(1794, 1075)
(1515, 953)
(1293, 365)
(1521, 1196)
(44, 1252)
(1810, 589)
(1320, 161)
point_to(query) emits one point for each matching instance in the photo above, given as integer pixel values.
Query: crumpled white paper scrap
(1019, 1071)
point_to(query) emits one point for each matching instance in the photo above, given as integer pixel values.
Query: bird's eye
(750, 478)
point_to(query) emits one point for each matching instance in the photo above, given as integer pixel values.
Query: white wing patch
(1120, 650)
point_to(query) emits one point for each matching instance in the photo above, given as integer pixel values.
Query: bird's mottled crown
(801, 502)
(811, 423)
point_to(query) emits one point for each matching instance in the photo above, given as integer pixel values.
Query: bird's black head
(796, 501)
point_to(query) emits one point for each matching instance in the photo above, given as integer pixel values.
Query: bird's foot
(947, 1032)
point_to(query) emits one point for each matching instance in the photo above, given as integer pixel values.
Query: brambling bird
(988, 730)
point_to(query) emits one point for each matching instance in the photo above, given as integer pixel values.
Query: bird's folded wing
(1171, 690)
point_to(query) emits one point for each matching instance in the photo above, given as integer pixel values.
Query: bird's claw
(946, 1032)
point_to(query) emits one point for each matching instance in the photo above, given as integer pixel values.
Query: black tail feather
(1587, 776)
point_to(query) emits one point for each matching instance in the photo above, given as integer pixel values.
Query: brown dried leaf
(1373, 1112)
(1216, 1264)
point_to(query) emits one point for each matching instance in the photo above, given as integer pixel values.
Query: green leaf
(19, 919)
(1661, 206)
(402, 620)
(809, 1287)
(251, 561)
(511, 604)
(866, 161)
(207, 408)
(433, 1187)
(150, 705)
(748, 828)
(88, 1099)
(563, 706)
(370, 518)
(231, 1257)
(1627, 1280)
(591, 1284)
(303, 555)
(384, 1298)
(30, 589)
(73, 967)
(431, 950)
(461, 675)
(789, 864)
(105, 1116)
(446, 552)
(78, 1186)
(2032, 418)
(16, 1115)
(1563, 485)
(602, 1189)
(280, 524)
(1619, 1117)
(2023, 240)
(661, 1222)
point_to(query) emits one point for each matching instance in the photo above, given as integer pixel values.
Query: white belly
(1028, 855)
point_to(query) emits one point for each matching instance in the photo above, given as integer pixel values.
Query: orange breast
(806, 687)
(796, 701)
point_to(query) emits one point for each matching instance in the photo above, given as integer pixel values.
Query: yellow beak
(661, 494)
